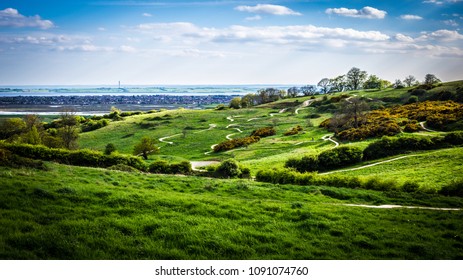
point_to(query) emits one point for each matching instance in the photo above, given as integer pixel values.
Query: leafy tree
(354, 108)
(68, 131)
(32, 137)
(109, 149)
(324, 84)
(235, 103)
(145, 147)
(398, 84)
(248, 100)
(372, 82)
(11, 127)
(430, 79)
(338, 84)
(409, 80)
(308, 90)
(228, 169)
(355, 77)
(293, 92)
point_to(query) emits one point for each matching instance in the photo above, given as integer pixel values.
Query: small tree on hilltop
(409, 80)
(355, 78)
(145, 148)
(430, 79)
(325, 85)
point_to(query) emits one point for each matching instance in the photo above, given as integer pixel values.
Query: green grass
(100, 214)
(430, 169)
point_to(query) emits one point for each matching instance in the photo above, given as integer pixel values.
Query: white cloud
(441, 35)
(254, 18)
(84, 48)
(365, 12)
(441, 2)
(101, 29)
(12, 18)
(268, 9)
(147, 15)
(404, 38)
(128, 49)
(451, 22)
(411, 17)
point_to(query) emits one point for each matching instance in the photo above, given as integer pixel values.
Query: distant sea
(133, 90)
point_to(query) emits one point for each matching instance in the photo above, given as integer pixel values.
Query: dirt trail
(369, 165)
(304, 104)
(427, 129)
(167, 137)
(328, 138)
(400, 206)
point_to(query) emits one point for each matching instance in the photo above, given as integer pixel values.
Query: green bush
(410, 186)
(454, 188)
(235, 143)
(390, 146)
(339, 157)
(228, 169)
(78, 157)
(305, 164)
(163, 167)
(123, 167)
(454, 138)
(264, 132)
(109, 149)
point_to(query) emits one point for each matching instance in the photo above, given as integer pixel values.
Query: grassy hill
(70, 212)
(102, 214)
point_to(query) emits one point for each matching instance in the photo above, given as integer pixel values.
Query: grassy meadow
(102, 214)
(71, 212)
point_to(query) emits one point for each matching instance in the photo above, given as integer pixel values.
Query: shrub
(390, 146)
(454, 138)
(305, 164)
(109, 149)
(294, 130)
(228, 169)
(264, 132)
(339, 157)
(161, 167)
(412, 99)
(236, 143)
(410, 186)
(313, 116)
(454, 188)
(79, 157)
(183, 167)
(411, 127)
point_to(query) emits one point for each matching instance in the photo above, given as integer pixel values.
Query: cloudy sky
(144, 42)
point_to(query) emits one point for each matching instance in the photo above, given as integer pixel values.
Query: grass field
(101, 214)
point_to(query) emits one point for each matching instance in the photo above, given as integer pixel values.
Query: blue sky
(148, 42)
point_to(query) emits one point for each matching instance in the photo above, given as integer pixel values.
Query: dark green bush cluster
(327, 160)
(236, 143)
(294, 130)
(90, 124)
(390, 146)
(9, 159)
(264, 132)
(454, 188)
(285, 176)
(454, 138)
(164, 167)
(230, 169)
(79, 157)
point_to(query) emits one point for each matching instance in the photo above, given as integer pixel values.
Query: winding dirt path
(427, 129)
(167, 137)
(304, 104)
(400, 206)
(368, 165)
(328, 138)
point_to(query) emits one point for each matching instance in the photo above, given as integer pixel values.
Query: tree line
(354, 79)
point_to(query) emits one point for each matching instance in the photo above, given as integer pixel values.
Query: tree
(293, 92)
(338, 84)
(324, 84)
(109, 149)
(308, 90)
(355, 77)
(235, 103)
(372, 82)
(32, 137)
(430, 79)
(145, 147)
(248, 100)
(353, 108)
(409, 80)
(11, 127)
(398, 84)
(68, 131)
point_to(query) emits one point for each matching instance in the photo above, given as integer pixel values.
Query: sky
(226, 42)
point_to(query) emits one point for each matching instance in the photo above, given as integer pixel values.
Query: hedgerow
(78, 157)
(264, 132)
(327, 160)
